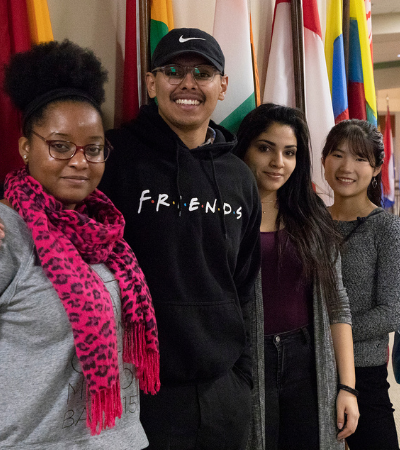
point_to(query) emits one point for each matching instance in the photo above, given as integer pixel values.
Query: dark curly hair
(302, 212)
(364, 141)
(49, 67)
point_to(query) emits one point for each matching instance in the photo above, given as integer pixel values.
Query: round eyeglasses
(94, 153)
(203, 74)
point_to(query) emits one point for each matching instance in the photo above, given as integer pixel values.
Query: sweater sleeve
(384, 317)
(15, 249)
(7, 265)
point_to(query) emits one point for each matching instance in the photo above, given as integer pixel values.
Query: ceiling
(386, 51)
(386, 30)
(385, 6)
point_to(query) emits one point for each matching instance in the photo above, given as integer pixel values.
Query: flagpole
(255, 68)
(298, 52)
(144, 27)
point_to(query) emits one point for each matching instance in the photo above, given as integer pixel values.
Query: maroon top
(287, 298)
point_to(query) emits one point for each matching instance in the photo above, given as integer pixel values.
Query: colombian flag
(334, 54)
(162, 21)
(361, 87)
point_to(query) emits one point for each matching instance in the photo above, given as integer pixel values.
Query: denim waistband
(306, 331)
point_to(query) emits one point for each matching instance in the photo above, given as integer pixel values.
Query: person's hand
(347, 414)
(2, 234)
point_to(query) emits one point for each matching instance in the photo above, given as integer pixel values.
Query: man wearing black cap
(192, 217)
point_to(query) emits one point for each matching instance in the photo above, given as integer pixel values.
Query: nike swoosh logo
(182, 39)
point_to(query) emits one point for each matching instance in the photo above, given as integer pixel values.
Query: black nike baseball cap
(188, 40)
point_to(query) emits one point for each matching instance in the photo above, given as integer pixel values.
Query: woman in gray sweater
(305, 328)
(353, 157)
(74, 305)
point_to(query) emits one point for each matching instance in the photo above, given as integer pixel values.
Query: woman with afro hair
(78, 336)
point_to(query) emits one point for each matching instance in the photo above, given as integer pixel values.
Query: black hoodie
(192, 219)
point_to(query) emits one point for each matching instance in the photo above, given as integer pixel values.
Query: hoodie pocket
(199, 341)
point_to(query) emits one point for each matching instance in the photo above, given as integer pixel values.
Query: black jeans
(376, 427)
(205, 416)
(291, 404)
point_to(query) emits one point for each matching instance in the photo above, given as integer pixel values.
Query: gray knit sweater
(371, 275)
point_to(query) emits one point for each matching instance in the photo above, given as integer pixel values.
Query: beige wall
(99, 25)
(387, 79)
(386, 23)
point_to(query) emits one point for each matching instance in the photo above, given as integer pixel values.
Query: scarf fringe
(146, 361)
(102, 408)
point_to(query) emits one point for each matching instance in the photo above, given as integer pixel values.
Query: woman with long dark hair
(310, 399)
(353, 157)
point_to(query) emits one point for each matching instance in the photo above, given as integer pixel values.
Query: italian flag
(162, 21)
(232, 31)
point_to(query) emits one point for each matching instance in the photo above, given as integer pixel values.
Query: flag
(130, 97)
(232, 31)
(388, 165)
(255, 67)
(280, 88)
(39, 21)
(162, 21)
(334, 54)
(22, 22)
(14, 38)
(318, 98)
(367, 4)
(279, 82)
(361, 87)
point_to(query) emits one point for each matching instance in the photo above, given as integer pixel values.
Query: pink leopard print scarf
(68, 242)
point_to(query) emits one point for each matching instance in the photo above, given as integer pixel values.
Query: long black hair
(301, 211)
(364, 140)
